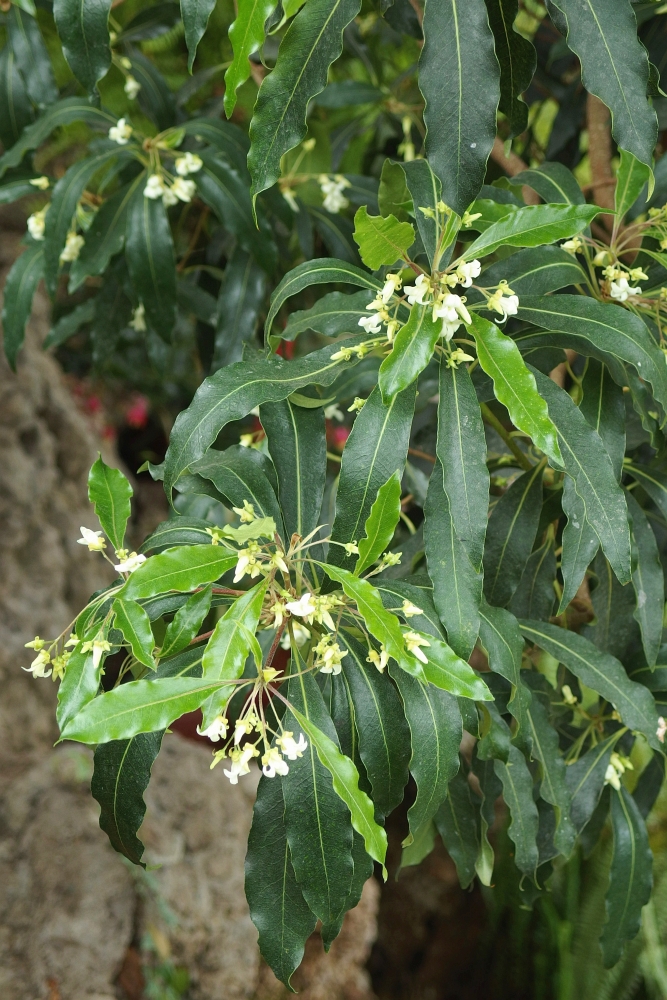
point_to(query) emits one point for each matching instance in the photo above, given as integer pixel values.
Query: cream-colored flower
(132, 87)
(72, 248)
(372, 323)
(216, 534)
(41, 665)
(301, 636)
(351, 548)
(37, 223)
(133, 561)
(121, 132)
(457, 357)
(329, 656)
(391, 559)
(568, 697)
(35, 644)
(468, 271)
(273, 764)
(97, 647)
(573, 246)
(621, 290)
(183, 189)
(409, 609)
(240, 761)
(138, 321)
(291, 748)
(415, 293)
(503, 301)
(155, 187)
(662, 729)
(189, 163)
(216, 731)
(93, 539)
(43, 182)
(451, 308)
(333, 412)
(289, 194)
(248, 562)
(392, 284)
(303, 607)
(332, 189)
(357, 405)
(413, 642)
(379, 660)
(246, 512)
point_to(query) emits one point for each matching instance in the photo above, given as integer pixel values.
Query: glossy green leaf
(381, 240)
(105, 238)
(585, 781)
(178, 530)
(155, 99)
(228, 648)
(600, 671)
(232, 393)
(457, 585)
(135, 625)
(182, 568)
(514, 385)
(384, 737)
(277, 908)
(312, 42)
(580, 543)
(615, 629)
(20, 285)
(122, 770)
(630, 876)
(380, 524)
(554, 183)
(631, 177)
(495, 734)
(654, 482)
(78, 687)
(16, 110)
(25, 39)
(614, 67)
(553, 786)
(533, 226)
(195, 14)
(518, 794)
(110, 492)
(239, 305)
(491, 789)
(517, 59)
(83, 27)
(587, 461)
(458, 824)
(511, 535)
(186, 623)
(238, 474)
(331, 315)
(501, 637)
(533, 271)
(426, 192)
(149, 252)
(459, 77)
(411, 352)
(535, 595)
(647, 579)
(604, 408)
(246, 34)
(376, 447)
(420, 845)
(70, 324)
(449, 672)
(297, 445)
(461, 448)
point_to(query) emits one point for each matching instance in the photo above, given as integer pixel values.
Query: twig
(491, 419)
(422, 454)
(599, 156)
(274, 646)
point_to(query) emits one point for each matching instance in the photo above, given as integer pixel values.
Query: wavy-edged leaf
(580, 543)
(553, 786)
(587, 461)
(604, 408)
(121, 773)
(110, 493)
(186, 623)
(457, 585)
(585, 781)
(449, 672)
(278, 910)
(195, 14)
(32, 56)
(233, 392)
(381, 240)
(535, 595)
(603, 34)
(600, 671)
(70, 324)
(411, 352)
(376, 447)
(16, 110)
(105, 237)
(78, 687)
(331, 315)
(518, 794)
(426, 191)
(155, 98)
(457, 822)
(20, 285)
(615, 630)
(554, 183)
(178, 530)
(312, 42)
(246, 34)
(648, 581)
(532, 271)
(533, 226)
(631, 177)
(491, 789)
(380, 523)
(514, 385)
(239, 305)
(512, 529)
(517, 59)
(83, 28)
(630, 876)
(181, 568)
(149, 252)
(239, 474)
(135, 625)
(459, 77)
(501, 637)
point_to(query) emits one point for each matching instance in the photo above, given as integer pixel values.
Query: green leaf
(78, 687)
(325, 270)
(384, 737)
(380, 524)
(246, 34)
(380, 623)
(614, 67)
(228, 648)
(553, 787)
(461, 448)
(178, 530)
(70, 324)
(71, 109)
(518, 794)
(233, 392)
(376, 447)
(604, 408)
(195, 14)
(615, 630)
(512, 529)
(580, 543)
(83, 27)
(239, 475)
(240, 302)
(149, 252)
(16, 111)
(587, 461)
(106, 236)
(277, 908)
(381, 240)
(648, 581)
(533, 226)
(630, 876)
(514, 385)
(155, 98)
(331, 315)
(110, 492)
(122, 770)
(459, 77)
(228, 139)
(336, 232)
(426, 191)
(312, 42)
(458, 825)
(420, 846)
(457, 585)
(600, 671)
(585, 781)
(606, 331)
(631, 177)
(143, 706)
(20, 285)
(535, 595)
(449, 672)
(517, 59)
(297, 445)
(501, 637)
(491, 789)
(533, 271)
(135, 625)
(652, 481)
(186, 623)
(411, 352)
(32, 57)
(394, 196)
(181, 568)
(435, 731)
(346, 785)
(554, 183)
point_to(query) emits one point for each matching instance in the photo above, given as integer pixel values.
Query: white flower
(289, 194)
(333, 412)
(415, 293)
(449, 329)
(301, 636)
(97, 647)
(617, 767)
(662, 729)
(379, 660)
(351, 548)
(72, 247)
(132, 562)
(467, 271)
(189, 163)
(41, 665)
(409, 609)
(244, 727)
(391, 285)
(240, 760)
(290, 748)
(93, 539)
(169, 198)
(451, 308)
(503, 301)
(132, 87)
(36, 223)
(273, 764)
(572, 246)
(621, 290)
(138, 321)
(40, 182)
(35, 644)
(456, 357)
(371, 324)
(278, 611)
(413, 640)
(303, 607)
(612, 777)
(332, 189)
(183, 190)
(246, 512)
(120, 132)
(155, 187)
(216, 731)
(329, 655)
(248, 562)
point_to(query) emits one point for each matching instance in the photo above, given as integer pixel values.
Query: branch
(599, 156)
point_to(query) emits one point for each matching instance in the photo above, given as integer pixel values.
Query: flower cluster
(157, 186)
(332, 188)
(618, 765)
(619, 280)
